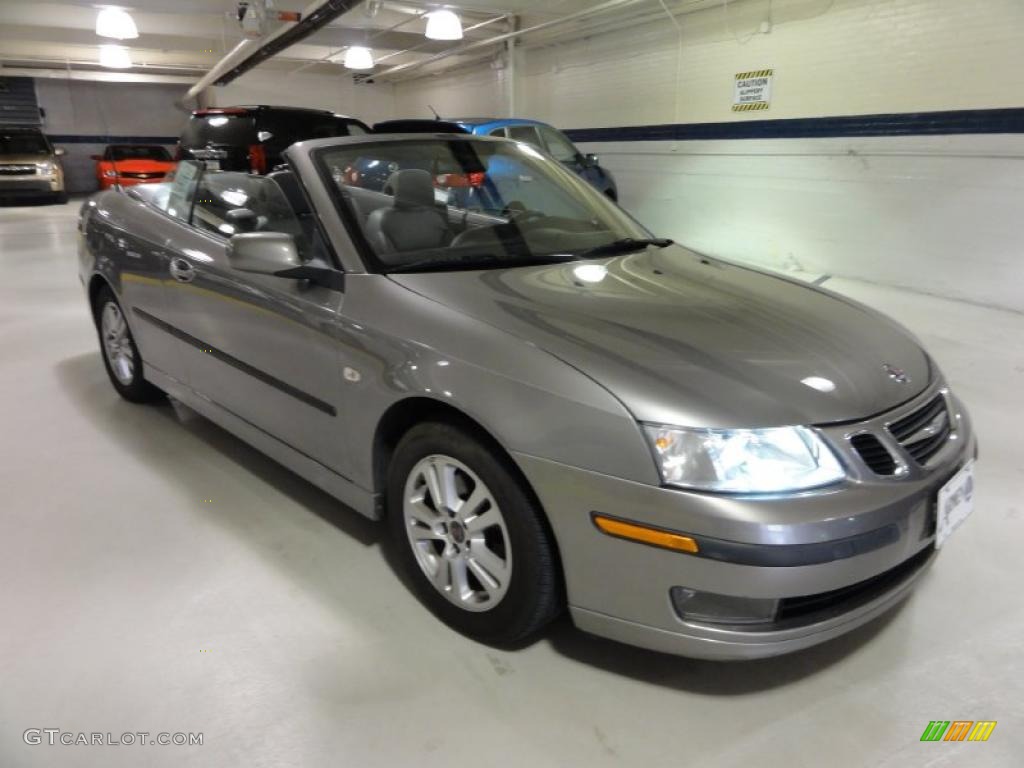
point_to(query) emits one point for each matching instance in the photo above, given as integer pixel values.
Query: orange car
(128, 164)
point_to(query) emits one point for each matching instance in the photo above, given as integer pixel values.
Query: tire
(120, 355)
(504, 582)
(60, 198)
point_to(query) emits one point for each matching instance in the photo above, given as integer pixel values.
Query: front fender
(405, 345)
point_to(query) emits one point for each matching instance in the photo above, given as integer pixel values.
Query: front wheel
(120, 354)
(470, 536)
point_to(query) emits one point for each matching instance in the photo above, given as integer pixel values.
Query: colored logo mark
(958, 730)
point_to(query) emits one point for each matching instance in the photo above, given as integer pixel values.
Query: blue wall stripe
(78, 139)
(967, 121)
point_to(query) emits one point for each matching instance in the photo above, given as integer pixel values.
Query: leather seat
(413, 222)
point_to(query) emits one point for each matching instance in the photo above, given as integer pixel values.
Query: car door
(145, 263)
(259, 346)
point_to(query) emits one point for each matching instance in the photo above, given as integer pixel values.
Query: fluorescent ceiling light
(358, 57)
(115, 57)
(443, 25)
(115, 23)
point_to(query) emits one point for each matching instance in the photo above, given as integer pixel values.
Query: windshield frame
(373, 263)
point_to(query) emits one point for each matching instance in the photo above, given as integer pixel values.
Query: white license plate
(956, 502)
(212, 165)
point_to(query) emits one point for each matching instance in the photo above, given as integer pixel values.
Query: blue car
(533, 132)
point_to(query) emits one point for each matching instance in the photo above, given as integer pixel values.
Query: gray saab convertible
(551, 407)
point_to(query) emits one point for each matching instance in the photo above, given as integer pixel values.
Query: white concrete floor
(159, 575)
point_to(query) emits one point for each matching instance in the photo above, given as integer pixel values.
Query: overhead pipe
(233, 57)
(250, 53)
(611, 5)
(312, 21)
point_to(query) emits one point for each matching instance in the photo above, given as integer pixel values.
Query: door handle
(182, 271)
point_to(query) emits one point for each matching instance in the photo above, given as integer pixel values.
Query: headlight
(46, 167)
(743, 460)
(110, 174)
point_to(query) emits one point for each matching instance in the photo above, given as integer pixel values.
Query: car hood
(24, 159)
(142, 166)
(687, 340)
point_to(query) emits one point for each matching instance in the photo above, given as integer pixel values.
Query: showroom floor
(159, 575)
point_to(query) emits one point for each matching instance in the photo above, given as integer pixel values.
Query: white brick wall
(84, 108)
(934, 213)
(478, 91)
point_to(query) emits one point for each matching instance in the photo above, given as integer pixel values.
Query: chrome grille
(923, 433)
(17, 170)
(143, 175)
(895, 448)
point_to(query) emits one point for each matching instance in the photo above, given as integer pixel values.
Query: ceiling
(180, 40)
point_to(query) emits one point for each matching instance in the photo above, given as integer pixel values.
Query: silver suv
(30, 165)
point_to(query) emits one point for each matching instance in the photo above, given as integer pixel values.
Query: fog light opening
(698, 607)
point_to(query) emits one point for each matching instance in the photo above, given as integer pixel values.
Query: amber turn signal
(653, 536)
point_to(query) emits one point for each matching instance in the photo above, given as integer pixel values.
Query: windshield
(438, 203)
(158, 154)
(28, 143)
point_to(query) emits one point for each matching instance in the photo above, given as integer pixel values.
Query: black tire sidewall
(533, 595)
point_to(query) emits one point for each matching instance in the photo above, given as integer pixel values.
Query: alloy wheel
(457, 533)
(117, 343)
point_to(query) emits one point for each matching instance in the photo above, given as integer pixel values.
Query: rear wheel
(120, 354)
(470, 537)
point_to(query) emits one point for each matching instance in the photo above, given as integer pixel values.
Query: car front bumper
(124, 181)
(833, 559)
(35, 184)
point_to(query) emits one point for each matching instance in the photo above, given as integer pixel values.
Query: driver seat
(413, 221)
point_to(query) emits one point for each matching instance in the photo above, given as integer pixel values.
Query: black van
(251, 139)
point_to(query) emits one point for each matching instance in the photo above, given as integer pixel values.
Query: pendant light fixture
(116, 23)
(444, 25)
(358, 57)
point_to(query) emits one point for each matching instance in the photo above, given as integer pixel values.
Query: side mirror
(275, 253)
(60, 151)
(96, 157)
(265, 253)
(243, 220)
(592, 160)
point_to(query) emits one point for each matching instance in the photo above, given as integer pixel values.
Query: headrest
(412, 188)
(289, 185)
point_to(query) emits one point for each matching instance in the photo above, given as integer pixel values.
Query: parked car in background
(550, 406)
(30, 165)
(128, 164)
(252, 138)
(533, 132)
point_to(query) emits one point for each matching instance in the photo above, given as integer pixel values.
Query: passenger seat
(413, 222)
